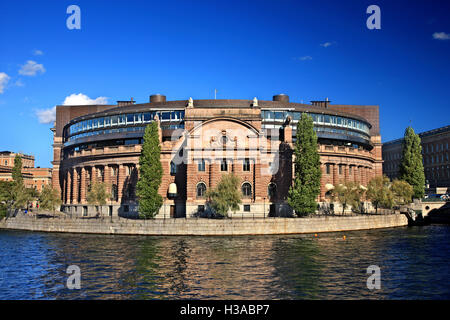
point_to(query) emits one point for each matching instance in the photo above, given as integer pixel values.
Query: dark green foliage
(150, 173)
(411, 166)
(225, 196)
(20, 195)
(306, 184)
(5, 196)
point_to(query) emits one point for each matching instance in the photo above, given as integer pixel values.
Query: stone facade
(435, 153)
(201, 141)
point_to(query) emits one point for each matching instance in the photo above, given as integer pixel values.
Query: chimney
(281, 98)
(157, 98)
(121, 103)
(321, 103)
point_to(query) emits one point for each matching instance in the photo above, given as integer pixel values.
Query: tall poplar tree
(150, 173)
(411, 165)
(306, 184)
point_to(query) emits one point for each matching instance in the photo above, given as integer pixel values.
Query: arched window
(247, 189)
(201, 190)
(272, 190)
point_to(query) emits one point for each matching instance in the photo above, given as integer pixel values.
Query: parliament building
(200, 141)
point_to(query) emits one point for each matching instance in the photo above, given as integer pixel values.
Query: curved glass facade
(324, 124)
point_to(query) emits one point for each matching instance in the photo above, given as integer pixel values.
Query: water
(414, 262)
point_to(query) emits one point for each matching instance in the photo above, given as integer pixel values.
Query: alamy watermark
(74, 280)
(374, 20)
(374, 280)
(74, 20)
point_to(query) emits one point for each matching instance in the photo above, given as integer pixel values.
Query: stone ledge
(203, 227)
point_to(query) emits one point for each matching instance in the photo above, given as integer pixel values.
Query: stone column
(68, 187)
(75, 186)
(121, 181)
(335, 174)
(108, 178)
(83, 185)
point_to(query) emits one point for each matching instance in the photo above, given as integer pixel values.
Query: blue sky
(307, 49)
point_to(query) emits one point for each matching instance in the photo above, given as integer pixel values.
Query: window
(147, 117)
(350, 170)
(224, 165)
(271, 190)
(340, 169)
(201, 190)
(114, 120)
(201, 165)
(137, 117)
(173, 168)
(247, 189)
(246, 166)
(328, 168)
(246, 208)
(130, 118)
(122, 119)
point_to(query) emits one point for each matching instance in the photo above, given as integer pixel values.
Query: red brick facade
(214, 131)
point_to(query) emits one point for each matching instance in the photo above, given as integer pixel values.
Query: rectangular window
(114, 120)
(122, 119)
(246, 208)
(147, 117)
(137, 117)
(165, 116)
(340, 169)
(246, 166)
(224, 165)
(328, 168)
(201, 165)
(350, 170)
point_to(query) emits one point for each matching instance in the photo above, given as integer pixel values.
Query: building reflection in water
(241, 267)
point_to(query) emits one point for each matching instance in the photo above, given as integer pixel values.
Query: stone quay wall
(203, 227)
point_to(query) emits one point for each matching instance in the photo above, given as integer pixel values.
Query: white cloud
(326, 44)
(82, 99)
(31, 68)
(49, 115)
(46, 115)
(19, 83)
(38, 52)
(304, 58)
(4, 78)
(441, 36)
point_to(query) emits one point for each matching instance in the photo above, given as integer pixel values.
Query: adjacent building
(200, 141)
(435, 153)
(32, 177)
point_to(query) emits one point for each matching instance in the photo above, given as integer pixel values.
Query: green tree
(225, 196)
(97, 195)
(402, 192)
(379, 192)
(5, 196)
(49, 198)
(20, 195)
(306, 184)
(348, 194)
(411, 165)
(150, 173)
